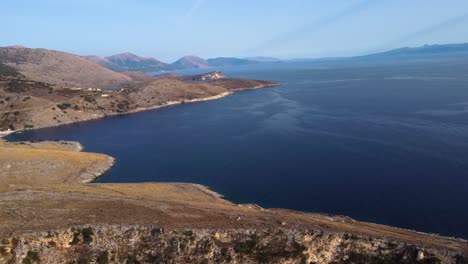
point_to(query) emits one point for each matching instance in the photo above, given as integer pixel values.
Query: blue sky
(209, 28)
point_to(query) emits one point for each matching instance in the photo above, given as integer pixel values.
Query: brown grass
(60, 68)
(42, 190)
(34, 165)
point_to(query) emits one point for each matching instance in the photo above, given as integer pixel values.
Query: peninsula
(42, 88)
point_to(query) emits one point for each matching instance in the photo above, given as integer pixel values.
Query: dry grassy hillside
(29, 105)
(161, 91)
(31, 165)
(48, 214)
(60, 68)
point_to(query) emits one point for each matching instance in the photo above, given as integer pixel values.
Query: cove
(380, 143)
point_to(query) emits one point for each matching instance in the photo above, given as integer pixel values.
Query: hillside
(190, 62)
(60, 68)
(27, 104)
(49, 212)
(29, 101)
(131, 62)
(104, 62)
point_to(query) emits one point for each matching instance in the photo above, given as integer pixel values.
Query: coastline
(6, 133)
(97, 172)
(172, 103)
(142, 109)
(182, 212)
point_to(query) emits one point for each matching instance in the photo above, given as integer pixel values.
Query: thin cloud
(453, 21)
(317, 25)
(193, 9)
(434, 28)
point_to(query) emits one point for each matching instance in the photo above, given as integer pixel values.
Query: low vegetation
(7, 71)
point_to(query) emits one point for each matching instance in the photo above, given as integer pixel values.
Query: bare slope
(32, 105)
(60, 68)
(130, 62)
(189, 62)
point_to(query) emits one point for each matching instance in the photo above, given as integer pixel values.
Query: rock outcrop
(151, 244)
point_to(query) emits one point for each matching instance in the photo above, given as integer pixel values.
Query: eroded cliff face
(149, 244)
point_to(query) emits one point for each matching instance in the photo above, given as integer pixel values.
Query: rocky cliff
(151, 244)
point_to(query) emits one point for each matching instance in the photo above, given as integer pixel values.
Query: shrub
(87, 235)
(64, 106)
(103, 258)
(31, 257)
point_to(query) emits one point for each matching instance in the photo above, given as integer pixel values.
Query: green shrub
(87, 235)
(31, 257)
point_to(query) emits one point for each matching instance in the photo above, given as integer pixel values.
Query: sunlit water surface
(385, 143)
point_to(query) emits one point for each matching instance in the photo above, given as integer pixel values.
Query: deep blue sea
(385, 143)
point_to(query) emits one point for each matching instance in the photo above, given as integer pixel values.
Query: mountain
(423, 52)
(125, 62)
(131, 62)
(60, 68)
(104, 62)
(223, 61)
(190, 62)
(263, 59)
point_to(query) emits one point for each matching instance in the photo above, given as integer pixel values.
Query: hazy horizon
(208, 29)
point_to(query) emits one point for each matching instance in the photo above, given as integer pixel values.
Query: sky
(168, 30)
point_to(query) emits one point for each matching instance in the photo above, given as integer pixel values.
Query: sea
(378, 142)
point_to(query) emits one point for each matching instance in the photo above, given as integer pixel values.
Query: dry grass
(42, 164)
(42, 190)
(162, 91)
(60, 68)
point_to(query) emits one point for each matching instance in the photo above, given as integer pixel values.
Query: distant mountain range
(130, 62)
(190, 62)
(423, 52)
(426, 52)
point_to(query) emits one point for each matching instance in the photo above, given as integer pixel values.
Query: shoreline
(96, 171)
(172, 103)
(91, 177)
(6, 133)
(143, 109)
